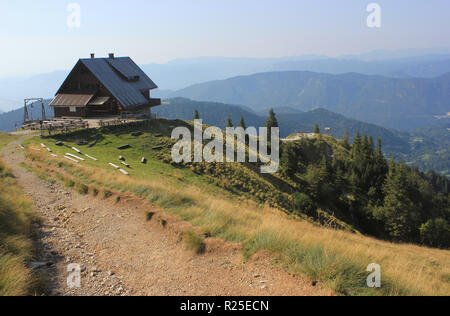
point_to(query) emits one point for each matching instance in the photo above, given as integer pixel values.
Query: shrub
(163, 222)
(303, 203)
(69, 183)
(107, 194)
(436, 232)
(82, 189)
(194, 242)
(149, 216)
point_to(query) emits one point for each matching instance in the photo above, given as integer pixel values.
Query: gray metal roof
(122, 77)
(71, 100)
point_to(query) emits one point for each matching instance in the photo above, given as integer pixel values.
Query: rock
(124, 147)
(144, 160)
(39, 265)
(59, 144)
(121, 158)
(81, 143)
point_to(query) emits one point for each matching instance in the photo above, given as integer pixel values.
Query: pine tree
(357, 142)
(242, 122)
(229, 121)
(324, 169)
(196, 115)
(288, 160)
(392, 166)
(316, 129)
(371, 144)
(380, 169)
(346, 140)
(379, 152)
(271, 120)
(271, 123)
(400, 213)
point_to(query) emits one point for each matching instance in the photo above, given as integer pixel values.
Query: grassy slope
(15, 246)
(337, 258)
(5, 139)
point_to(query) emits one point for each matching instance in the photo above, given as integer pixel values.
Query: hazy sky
(35, 36)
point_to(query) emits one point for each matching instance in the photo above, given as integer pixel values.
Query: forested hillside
(386, 199)
(430, 148)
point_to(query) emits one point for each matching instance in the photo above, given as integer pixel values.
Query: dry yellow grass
(337, 258)
(15, 247)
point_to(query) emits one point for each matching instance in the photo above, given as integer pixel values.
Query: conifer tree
(288, 160)
(346, 140)
(316, 129)
(229, 121)
(196, 115)
(271, 123)
(242, 122)
(400, 212)
(357, 142)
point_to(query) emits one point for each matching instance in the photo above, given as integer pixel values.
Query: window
(73, 109)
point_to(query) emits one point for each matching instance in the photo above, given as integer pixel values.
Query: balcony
(154, 102)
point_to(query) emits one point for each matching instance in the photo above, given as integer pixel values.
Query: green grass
(106, 151)
(6, 138)
(16, 248)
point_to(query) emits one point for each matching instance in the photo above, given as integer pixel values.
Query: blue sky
(35, 37)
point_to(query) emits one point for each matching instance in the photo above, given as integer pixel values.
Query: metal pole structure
(25, 113)
(44, 117)
(27, 116)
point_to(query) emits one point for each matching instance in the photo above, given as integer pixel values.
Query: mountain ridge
(181, 73)
(405, 104)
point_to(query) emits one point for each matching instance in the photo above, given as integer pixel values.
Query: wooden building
(104, 87)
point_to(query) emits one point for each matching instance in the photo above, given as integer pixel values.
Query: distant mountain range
(404, 104)
(216, 114)
(185, 72)
(182, 73)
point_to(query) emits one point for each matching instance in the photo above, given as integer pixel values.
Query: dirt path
(122, 254)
